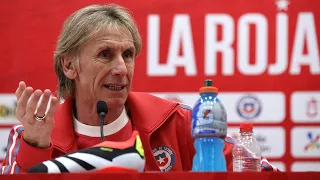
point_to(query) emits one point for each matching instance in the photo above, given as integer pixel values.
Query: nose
(119, 67)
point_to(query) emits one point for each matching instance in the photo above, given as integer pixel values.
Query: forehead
(117, 35)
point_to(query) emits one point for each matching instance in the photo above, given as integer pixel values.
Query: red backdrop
(259, 46)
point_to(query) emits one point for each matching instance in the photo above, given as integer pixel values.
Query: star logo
(164, 157)
(282, 5)
(161, 160)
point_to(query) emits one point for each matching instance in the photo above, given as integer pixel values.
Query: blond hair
(80, 27)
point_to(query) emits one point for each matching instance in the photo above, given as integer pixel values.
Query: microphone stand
(101, 117)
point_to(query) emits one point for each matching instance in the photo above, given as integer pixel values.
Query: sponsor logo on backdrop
(4, 134)
(249, 107)
(305, 106)
(271, 139)
(6, 111)
(305, 141)
(312, 108)
(8, 104)
(314, 142)
(263, 141)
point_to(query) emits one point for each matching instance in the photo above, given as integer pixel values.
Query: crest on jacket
(165, 158)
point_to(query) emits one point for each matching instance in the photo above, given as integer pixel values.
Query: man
(94, 60)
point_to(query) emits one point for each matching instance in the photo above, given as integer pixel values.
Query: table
(169, 176)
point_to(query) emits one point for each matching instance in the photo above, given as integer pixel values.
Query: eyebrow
(108, 45)
(131, 48)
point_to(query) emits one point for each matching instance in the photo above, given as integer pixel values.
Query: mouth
(114, 87)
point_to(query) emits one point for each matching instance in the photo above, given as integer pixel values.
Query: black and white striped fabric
(95, 158)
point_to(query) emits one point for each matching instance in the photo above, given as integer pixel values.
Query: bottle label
(246, 164)
(209, 119)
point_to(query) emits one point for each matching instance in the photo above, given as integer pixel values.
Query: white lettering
(281, 63)
(181, 53)
(154, 68)
(261, 58)
(305, 30)
(212, 45)
(181, 32)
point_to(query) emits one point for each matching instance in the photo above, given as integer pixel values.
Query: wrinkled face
(106, 67)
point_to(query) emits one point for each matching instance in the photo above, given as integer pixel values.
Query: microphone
(102, 110)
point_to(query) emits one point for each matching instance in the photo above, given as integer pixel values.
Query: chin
(115, 102)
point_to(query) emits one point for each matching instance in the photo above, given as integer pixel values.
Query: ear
(68, 66)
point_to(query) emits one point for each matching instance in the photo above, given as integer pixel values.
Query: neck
(86, 113)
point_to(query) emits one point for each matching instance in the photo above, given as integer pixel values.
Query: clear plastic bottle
(209, 128)
(246, 151)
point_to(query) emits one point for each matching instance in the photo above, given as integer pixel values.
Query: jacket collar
(147, 113)
(63, 135)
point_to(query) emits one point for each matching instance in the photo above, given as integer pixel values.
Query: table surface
(169, 176)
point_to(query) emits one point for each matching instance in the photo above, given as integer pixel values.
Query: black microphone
(102, 110)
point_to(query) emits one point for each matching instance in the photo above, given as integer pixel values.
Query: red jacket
(164, 128)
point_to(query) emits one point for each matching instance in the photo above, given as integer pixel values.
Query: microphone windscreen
(102, 107)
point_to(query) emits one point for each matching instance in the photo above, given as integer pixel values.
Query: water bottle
(209, 128)
(246, 152)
